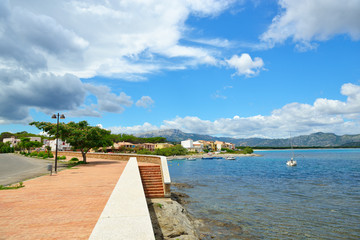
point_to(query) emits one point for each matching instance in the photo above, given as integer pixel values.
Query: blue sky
(246, 68)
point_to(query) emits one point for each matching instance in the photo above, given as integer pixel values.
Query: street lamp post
(57, 116)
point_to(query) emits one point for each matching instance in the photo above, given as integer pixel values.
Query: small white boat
(191, 159)
(291, 163)
(230, 158)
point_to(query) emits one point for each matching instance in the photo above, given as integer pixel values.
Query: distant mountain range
(313, 140)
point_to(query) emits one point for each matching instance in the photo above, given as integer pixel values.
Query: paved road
(15, 168)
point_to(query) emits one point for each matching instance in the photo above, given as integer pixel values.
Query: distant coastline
(179, 157)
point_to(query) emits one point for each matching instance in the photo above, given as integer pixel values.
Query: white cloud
(107, 38)
(108, 101)
(47, 46)
(314, 20)
(244, 65)
(46, 92)
(134, 129)
(145, 102)
(324, 115)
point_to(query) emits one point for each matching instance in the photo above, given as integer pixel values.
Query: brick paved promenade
(62, 206)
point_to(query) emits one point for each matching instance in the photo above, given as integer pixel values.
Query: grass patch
(19, 185)
(72, 163)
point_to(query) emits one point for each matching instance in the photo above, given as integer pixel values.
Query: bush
(248, 150)
(144, 151)
(33, 154)
(74, 159)
(41, 154)
(62, 157)
(50, 155)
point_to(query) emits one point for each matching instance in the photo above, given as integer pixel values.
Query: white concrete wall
(126, 215)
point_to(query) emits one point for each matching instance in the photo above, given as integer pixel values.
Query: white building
(13, 141)
(62, 146)
(35, 139)
(199, 147)
(187, 143)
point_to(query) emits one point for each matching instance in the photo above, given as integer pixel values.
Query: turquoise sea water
(262, 198)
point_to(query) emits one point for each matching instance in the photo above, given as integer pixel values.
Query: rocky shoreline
(171, 220)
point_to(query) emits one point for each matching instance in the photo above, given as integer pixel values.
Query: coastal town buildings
(148, 146)
(14, 141)
(187, 143)
(62, 145)
(201, 145)
(163, 145)
(220, 145)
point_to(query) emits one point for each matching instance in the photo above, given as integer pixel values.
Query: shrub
(144, 151)
(33, 154)
(50, 155)
(74, 159)
(41, 154)
(62, 157)
(248, 150)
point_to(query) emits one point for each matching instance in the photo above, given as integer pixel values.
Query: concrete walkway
(62, 206)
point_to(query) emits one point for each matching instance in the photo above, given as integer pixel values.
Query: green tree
(25, 143)
(5, 148)
(248, 150)
(79, 135)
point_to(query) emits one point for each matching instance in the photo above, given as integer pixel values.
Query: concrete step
(147, 187)
(152, 181)
(155, 196)
(157, 178)
(154, 192)
(150, 174)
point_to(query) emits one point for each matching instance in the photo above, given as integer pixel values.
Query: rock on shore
(171, 220)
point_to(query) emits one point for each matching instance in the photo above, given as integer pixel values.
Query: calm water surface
(262, 198)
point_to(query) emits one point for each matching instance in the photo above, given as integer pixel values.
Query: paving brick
(62, 206)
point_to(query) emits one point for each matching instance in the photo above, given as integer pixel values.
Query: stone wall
(162, 161)
(112, 156)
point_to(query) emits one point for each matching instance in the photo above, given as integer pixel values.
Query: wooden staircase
(152, 181)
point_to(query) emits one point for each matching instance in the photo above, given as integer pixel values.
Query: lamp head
(53, 116)
(62, 116)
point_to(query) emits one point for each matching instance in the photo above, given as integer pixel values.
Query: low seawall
(161, 160)
(113, 156)
(126, 215)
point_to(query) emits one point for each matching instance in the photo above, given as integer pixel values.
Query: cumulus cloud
(324, 115)
(46, 92)
(145, 102)
(314, 20)
(244, 64)
(108, 101)
(21, 91)
(134, 129)
(47, 46)
(132, 33)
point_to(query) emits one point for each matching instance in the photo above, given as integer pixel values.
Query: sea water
(262, 198)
